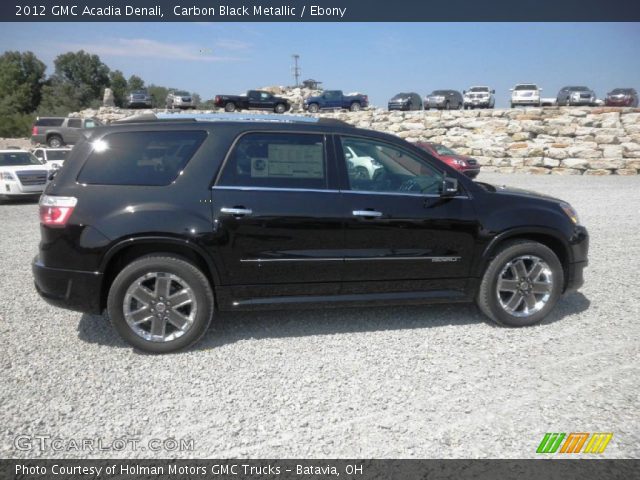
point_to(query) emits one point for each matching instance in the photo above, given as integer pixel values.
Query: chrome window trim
(317, 190)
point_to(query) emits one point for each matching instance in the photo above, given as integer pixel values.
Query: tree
(118, 86)
(158, 95)
(135, 83)
(21, 80)
(78, 82)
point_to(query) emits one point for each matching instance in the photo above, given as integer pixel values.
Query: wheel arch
(129, 250)
(548, 237)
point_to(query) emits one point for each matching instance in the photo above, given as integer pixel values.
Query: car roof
(232, 118)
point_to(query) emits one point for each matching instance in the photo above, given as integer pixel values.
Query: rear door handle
(366, 213)
(237, 211)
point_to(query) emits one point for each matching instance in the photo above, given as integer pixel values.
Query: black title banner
(318, 11)
(551, 469)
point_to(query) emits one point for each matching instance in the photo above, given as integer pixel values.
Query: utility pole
(296, 69)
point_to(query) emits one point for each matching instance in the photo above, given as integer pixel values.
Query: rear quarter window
(49, 122)
(140, 158)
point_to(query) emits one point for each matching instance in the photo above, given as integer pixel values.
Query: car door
(253, 99)
(72, 132)
(277, 214)
(400, 233)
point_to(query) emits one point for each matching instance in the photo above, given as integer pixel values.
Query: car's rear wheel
(521, 284)
(160, 303)
(229, 107)
(55, 141)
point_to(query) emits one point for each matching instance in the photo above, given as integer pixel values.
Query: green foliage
(158, 95)
(119, 87)
(135, 83)
(21, 80)
(15, 124)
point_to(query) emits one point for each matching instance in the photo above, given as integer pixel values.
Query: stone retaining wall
(563, 141)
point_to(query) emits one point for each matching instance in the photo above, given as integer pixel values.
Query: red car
(468, 166)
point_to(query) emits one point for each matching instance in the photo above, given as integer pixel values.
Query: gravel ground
(421, 382)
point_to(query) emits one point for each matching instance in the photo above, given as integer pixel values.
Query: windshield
(57, 154)
(479, 89)
(618, 91)
(14, 159)
(578, 89)
(182, 93)
(139, 92)
(442, 150)
(400, 96)
(526, 87)
(439, 92)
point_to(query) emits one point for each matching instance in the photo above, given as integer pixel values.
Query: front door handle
(237, 211)
(366, 213)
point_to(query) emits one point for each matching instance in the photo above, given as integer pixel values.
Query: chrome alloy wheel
(524, 286)
(160, 307)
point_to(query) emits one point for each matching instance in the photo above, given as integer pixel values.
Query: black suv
(163, 222)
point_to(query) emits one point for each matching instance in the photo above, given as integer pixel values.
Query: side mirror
(511, 89)
(449, 187)
(493, 91)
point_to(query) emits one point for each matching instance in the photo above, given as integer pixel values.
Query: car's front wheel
(280, 108)
(160, 303)
(521, 284)
(314, 108)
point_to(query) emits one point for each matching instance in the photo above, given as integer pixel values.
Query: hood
(517, 192)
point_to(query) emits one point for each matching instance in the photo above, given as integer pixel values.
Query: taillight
(55, 211)
(34, 130)
(217, 99)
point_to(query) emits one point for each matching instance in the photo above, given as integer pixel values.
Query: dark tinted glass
(74, 123)
(58, 154)
(49, 122)
(13, 159)
(140, 158)
(277, 160)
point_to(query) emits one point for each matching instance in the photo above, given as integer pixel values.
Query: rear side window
(277, 160)
(74, 123)
(49, 122)
(140, 158)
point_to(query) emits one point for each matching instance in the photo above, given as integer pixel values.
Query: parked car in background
(335, 99)
(21, 174)
(285, 224)
(52, 157)
(575, 95)
(405, 101)
(524, 94)
(59, 131)
(622, 97)
(444, 100)
(139, 99)
(479, 97)
(359, 164)
(548, 101)
(467, 165)
(253, 100)
(180, 99)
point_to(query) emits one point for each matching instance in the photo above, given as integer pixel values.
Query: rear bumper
(70, 289)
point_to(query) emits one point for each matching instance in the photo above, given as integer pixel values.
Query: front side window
(140, 158)
(276, 160)
(74, 123)
(381, 167)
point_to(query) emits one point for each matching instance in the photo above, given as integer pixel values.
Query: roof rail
(227, 117)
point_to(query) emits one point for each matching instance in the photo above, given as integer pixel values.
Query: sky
(379, 59)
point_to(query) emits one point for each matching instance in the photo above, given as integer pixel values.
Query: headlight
(571, 212)
(7, 176)
(462, 163)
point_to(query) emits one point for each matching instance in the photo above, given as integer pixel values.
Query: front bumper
(526, 101)
(16, 189)
(617, 102)
(471, 172)
(70, 289)
(477, 103)
(398, 106)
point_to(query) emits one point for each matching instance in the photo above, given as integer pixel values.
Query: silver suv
(479, 97)
(180, 99)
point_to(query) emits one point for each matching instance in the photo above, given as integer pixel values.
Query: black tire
(314, 108)
(513, 105)
(229, 107)
(186, 271)
(280, 108)
(355, 107)
(488, 295)
(55, 141)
